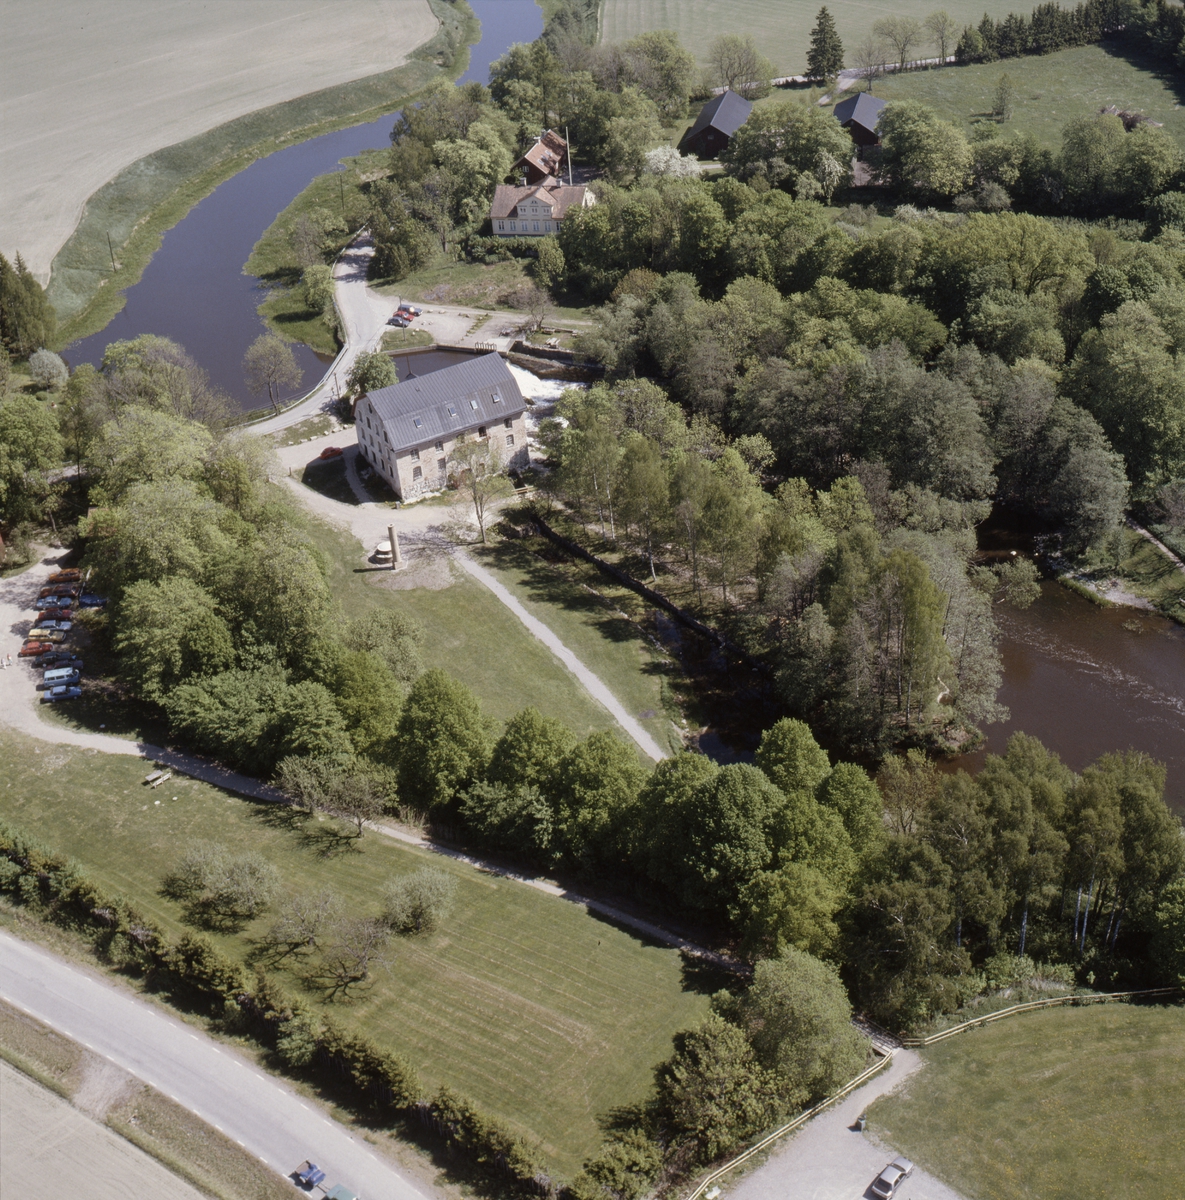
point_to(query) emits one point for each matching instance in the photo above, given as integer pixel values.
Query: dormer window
(418, 422)
(497, 397)
(473, 405)
(452, 412)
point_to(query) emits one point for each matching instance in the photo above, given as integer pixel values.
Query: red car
(331, 452)
(59, 589)
(32, 649)
(71, 575)
(54, 614)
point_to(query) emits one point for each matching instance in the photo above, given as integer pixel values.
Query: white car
(891, 1178)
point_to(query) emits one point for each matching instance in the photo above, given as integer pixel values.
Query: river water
(194, 290)
(1086, 680)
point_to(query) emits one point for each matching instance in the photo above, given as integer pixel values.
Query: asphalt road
(231, 1093)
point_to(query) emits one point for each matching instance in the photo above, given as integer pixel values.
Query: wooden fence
(790, 1127)
(1030, 1006)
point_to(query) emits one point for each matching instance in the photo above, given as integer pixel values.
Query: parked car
(70, 575)
(890, 1179)
(57, 658)
(53, 614)
(405, 313)
(410, 309)
(90, 600)
(53, 636)
(399, 322)
(63, 691)
(331, 452)
(34, 648)
(51, 624)
(58, 677)
(59, 589)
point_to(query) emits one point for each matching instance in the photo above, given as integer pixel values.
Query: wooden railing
(1031, 1005)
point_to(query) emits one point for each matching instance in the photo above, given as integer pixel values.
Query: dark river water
(1076, 678)
(194, 290)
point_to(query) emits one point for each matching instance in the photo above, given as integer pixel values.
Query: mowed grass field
(781, 28)
(1050, 91)
(542, 1014)
(1052, 1105)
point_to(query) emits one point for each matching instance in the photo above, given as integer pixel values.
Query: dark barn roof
(725, 113)
(862, 109)
(447, 402)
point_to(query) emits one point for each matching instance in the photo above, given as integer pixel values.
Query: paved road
(232, 1094)
(831, 1160)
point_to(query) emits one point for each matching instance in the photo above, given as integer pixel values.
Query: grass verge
(544, 1014)
(154, 193)
(303, 431)
(1058, 1105)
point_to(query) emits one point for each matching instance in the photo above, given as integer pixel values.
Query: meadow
(1050, 91)
(543, 1014)
(781, 28)
(1055, 1105)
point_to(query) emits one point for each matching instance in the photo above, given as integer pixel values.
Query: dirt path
(48, 1149)
(829, 1159)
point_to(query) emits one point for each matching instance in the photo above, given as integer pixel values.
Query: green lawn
(1053, 1105)
(543, 1014)
(781, 28)
(596, 631)
(468, 633)
(1050, 91)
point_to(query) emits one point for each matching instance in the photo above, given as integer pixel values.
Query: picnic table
(155, 778)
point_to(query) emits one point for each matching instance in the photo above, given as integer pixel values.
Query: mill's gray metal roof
(447, 402)
(862, 108)
(726, 112)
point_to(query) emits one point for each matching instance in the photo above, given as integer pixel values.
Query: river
(1086, 680)
(194, 290)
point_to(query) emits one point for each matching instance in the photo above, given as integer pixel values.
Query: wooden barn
(718, 120)
(860, 115)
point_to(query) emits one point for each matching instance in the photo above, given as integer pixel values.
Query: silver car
(891, 1178)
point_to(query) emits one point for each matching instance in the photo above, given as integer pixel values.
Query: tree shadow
(1163, 70)
(327, 841)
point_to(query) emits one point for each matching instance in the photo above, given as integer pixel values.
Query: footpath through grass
(1052, 1105)
(542, 1014)
(154, 193)
(1051, 90)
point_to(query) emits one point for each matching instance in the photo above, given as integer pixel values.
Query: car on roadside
(52, 636)
(398, 321)
(55, 612)
(70, 575)
(51, 624)
(57, 658)
(890, 1179)
(410, 309)
(59, 589)
(331, 452)
(90, 600)
(63, 691)
(35, 647)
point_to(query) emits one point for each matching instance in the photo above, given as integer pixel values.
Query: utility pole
(341, 187)
(111, 251)
(567, 139)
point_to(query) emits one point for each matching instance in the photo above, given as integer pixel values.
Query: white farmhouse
(407, 432)
(535, 210)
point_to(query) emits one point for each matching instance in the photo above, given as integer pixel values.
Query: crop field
(781, 28)
(1053, 1105)
(87, 91)
(541, 1013)
(1050, 91)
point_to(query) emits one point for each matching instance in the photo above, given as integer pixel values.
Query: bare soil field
(48, 1149)
(90, 86)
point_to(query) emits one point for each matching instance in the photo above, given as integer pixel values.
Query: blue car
(62, 691)
(91, 601)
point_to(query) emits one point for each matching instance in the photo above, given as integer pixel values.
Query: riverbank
(152, 195)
